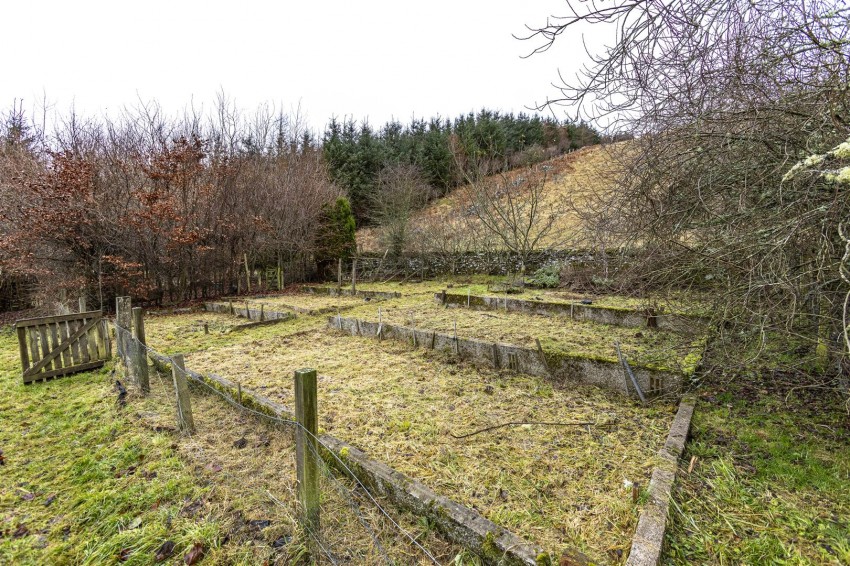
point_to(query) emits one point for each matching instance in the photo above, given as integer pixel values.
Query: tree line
(172, 208)
(441, 152)
(164, 208)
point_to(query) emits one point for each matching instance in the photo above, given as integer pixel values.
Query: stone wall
(491, 263)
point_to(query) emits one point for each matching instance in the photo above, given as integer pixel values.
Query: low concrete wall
(577, 311)
(464, 526)
(562, 367)
(249, 313)
(649, 535)
(335, 292)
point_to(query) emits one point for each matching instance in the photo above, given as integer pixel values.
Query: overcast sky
(366, 59)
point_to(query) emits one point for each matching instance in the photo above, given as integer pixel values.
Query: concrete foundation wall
(576, 311)
(559, 367)
(464, 526)
(334, 292)
(249, 313)
(648, 540)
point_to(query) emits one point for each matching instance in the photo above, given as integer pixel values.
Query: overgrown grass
(771, 479)
(82, 483)
(300, 302)
(183, 333)
(643, 347)
(87, 481)
(558, 486)
(493, 285)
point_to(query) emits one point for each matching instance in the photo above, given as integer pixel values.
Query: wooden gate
(58, 345)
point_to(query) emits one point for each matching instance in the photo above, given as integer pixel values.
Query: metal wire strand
(197, 378)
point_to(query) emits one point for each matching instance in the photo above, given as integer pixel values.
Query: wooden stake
(339, 275)
(354, 276)
(247, 274)
(82, 304)
(542, 356)
(262, 312)
(141, 361)
(691, 466)
(457, 346)
(306, 447)
(185, 422)
(107, 342)
(123, 319)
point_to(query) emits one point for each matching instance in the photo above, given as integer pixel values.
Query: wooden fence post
(354, 276)
(82, 304)
(123, 319)
(339, 274)
(185, 423)
(141, 361)
(306, 447)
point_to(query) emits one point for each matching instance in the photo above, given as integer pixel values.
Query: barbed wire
(199, 379)
(315, 536)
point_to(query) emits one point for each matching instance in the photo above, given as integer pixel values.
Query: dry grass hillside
(570, 179)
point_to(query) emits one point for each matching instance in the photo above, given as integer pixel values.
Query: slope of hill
(570, 179)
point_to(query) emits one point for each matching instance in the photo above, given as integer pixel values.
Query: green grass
(91, 481)
(487, 285)
(69, 450)
(771, 483)
(184, 333)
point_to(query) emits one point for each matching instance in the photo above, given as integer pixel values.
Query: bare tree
(401, 192)
(165, 208)
(515, 209)
(723, 98)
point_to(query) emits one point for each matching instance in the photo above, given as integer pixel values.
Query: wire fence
(355, 526)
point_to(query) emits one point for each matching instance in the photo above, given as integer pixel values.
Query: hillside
(570, 178)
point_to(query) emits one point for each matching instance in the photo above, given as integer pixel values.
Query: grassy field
(491, 285)
(68, 495)
(770, 482)
(403, 406)
(308, 302)
(643, 347)
(88, 481)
